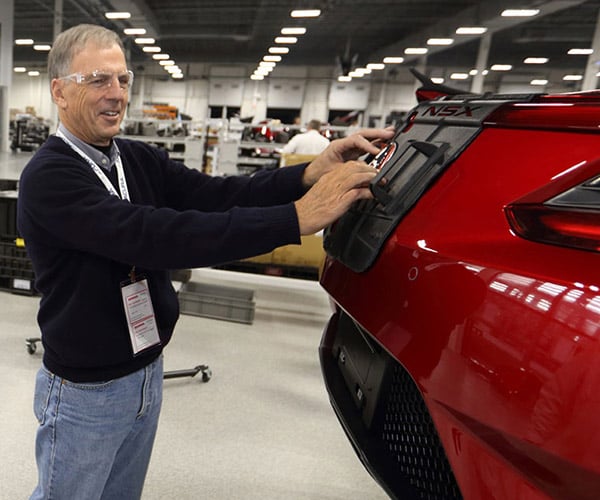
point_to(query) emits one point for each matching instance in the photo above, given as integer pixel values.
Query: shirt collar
(97, 156)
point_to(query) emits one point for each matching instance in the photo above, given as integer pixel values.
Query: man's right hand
(331, 196)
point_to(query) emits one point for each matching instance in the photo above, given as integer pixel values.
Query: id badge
(141, 322)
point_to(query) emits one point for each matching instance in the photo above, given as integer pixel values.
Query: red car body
(463, 355)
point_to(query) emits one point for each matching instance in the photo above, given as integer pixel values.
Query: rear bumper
(383, 415)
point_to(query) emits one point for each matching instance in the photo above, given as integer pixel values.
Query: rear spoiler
(430, 90)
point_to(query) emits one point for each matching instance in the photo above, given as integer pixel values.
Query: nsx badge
(450, 110)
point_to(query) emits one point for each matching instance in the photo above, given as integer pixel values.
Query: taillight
(568, 217)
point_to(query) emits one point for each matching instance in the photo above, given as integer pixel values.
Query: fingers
(333, 194)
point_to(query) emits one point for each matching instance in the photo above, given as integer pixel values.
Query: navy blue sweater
(83, 242)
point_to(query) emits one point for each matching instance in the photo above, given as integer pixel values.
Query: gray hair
(72, 41)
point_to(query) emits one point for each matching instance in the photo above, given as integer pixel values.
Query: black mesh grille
(409, 435)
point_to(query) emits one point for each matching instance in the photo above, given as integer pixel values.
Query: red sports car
(463, 354)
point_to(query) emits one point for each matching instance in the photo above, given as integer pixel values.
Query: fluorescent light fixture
(278, 50)
(580, 52)
(266, 64)
(393, 60)
(501, 67)
(459, 76)
(272, 58)
(23, 41)
(471, 30)
(134, 31)
(177, 76)
(356, 74)
(117, 15)
(415, 51)
(262, 71)
(151, 49)
(344, 78)
(539, 81)
(520, 12)
(167, 62)
(42, 47)
(375, 66)
(286, 39)
(173, 69)
(33, 73)
(440, 41)
(439, 81)
(572, 78)
(473, 72)
(145, 41)
(305, 13)
(536, 60)
(293, 30)
(159, 57)
(19, 69)
(256, 77)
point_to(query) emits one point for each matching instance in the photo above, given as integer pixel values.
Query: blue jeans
(94, 440)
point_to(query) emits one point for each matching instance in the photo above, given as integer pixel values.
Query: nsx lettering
(450, 110)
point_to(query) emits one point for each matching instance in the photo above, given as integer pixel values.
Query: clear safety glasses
(101, 80)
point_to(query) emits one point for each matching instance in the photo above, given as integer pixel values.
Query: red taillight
(565, 212)
(558, 226)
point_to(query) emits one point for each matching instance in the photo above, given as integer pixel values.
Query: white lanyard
(98, 171)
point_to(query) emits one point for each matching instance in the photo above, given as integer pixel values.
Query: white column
(58, 27)
(590, 80)
(481, 64)
(7, 12)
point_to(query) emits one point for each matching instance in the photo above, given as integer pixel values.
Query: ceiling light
(471, 30)
(145, 41)
(151, 49)
(177, 76)
(393, 60)
(159, 57)
(19, 69)
(286, 39)
(173, 69)
(536, 60)
(343, 78)
(580, 52)
(266, 64)
(293, 31)
(473, 72)
(134, 31)
(438, 81)
(43, 47)
(272, 58)
(572, 78)
(520, 12)
(33, 73)
(501, 67)
(23, 41)
(168, 62)
(459, 76)
(356, 74)
(415, 50)
(440, 41)
(364, 71)
(375, 66)
(306, 13)
(538, 82)
(257, 77)
(117, 15)
(278, 50)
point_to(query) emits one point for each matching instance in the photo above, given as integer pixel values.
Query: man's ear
(57, 91)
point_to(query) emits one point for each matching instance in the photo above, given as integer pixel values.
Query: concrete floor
(261, 428)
